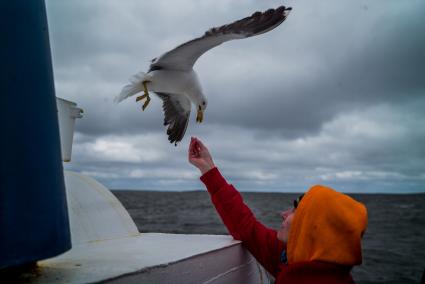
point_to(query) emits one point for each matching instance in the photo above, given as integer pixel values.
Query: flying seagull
(172, 78)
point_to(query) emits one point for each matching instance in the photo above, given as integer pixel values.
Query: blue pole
(33, 212)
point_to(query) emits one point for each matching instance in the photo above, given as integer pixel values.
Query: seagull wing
(176, 115)
(184, 56)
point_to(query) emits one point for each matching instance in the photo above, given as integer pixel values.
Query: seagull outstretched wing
(184, 56)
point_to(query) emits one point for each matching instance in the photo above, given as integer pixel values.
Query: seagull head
(203, 104)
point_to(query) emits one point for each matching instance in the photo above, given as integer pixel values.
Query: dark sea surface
(393, 246)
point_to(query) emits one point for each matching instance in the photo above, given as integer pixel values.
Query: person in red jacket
(320, 237)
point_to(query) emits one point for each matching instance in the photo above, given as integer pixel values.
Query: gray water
(393, 246)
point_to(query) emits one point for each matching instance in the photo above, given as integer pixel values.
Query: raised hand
(199, 156)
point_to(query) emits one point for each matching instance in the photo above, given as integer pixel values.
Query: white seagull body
(175, 82)
(172, 78)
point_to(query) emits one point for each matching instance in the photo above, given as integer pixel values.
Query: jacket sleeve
(241, 223)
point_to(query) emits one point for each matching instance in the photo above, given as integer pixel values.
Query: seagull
(172, 78)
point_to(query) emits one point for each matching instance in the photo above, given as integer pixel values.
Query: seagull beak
(200, 115)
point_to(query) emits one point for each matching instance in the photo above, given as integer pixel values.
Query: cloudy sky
(335, 95)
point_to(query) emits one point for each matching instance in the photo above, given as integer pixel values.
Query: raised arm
(236, 215)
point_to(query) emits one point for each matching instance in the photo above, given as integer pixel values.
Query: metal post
(33, 211)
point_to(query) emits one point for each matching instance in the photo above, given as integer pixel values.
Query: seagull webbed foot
(146, 95)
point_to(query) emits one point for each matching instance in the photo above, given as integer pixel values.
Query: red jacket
(262, 242)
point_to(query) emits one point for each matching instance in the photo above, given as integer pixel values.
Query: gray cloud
(335, 94)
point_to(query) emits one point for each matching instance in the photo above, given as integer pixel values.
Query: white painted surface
(67, 113)
(107, 247)
(232, 264)
(152, 257)
(95, 214)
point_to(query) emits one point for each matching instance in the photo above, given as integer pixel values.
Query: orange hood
(327, 226)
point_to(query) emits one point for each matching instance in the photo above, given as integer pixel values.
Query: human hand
(199, 156)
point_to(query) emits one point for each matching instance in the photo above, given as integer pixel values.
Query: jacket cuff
(213, 180)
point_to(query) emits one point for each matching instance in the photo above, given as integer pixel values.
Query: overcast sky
(334, 96)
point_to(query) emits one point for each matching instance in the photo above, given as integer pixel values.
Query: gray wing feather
(184, 56)
(176, 115)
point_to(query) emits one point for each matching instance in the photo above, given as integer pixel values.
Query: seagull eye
(203, 103)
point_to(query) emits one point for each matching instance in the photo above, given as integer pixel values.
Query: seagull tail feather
(133, 88)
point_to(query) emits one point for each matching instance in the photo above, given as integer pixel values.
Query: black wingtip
(284, 8)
